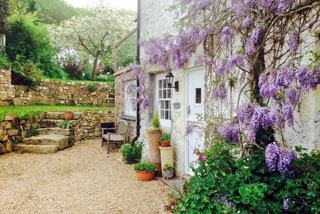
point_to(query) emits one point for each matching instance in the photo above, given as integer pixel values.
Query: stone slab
(36, 149)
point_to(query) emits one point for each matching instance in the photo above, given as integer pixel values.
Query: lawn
(21, 111)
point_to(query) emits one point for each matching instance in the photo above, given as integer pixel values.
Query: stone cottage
(178, 108)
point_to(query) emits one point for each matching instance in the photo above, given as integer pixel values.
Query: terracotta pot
(154, 152)
(166, 143)
(145, 176)
(68, 115)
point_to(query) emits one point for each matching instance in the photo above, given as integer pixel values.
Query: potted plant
(145, 170)
(68, 115)
(66, 124)
(155, 133)
(131, 154)
(168, 170)
(165, 140)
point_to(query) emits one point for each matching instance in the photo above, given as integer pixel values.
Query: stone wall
(120, 82)
(53, 93)
(13, 130)
(88, 124)
(6, 89)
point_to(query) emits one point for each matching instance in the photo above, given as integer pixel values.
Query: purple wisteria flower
(229, 132)
(247, 22)
(278, 158)
(286, 204)
(272, 157)
(227, 35)
(220, 92)
(189, 129)
(293, 41)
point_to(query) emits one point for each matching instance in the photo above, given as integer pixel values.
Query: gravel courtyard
(81, 179)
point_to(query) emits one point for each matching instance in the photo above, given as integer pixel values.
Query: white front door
(195, 107)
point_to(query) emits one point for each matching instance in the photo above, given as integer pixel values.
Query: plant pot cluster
(147, 170)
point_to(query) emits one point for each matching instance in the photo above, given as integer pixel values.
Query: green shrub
(32, 132)
(4, 62)
(145, 166)
(92, 87)
(131, 154)
(87, 72)
(224, 184)
(25, 74)
(28, 41)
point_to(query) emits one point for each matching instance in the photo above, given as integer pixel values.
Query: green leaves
(249, 185)
(131, 154)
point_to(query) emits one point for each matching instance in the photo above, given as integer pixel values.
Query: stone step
(55, 131)
(55, 115)
(58, 140)
(37, 149)
(51, 123)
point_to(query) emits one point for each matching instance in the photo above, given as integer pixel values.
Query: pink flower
(202, 158)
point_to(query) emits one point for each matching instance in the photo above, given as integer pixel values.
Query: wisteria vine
(257, 43)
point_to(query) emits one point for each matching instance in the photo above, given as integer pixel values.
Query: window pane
(164, 94)
(164, 83)
(162, 105)
(169, 115)
(198, 95)
(169, 93)
(162, 114)
(160, 94)
(160, 84)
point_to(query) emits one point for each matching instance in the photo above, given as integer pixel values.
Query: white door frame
(187, 101)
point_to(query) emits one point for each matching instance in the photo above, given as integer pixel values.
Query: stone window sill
(129, 118)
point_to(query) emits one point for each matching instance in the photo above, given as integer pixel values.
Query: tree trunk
(95, 64)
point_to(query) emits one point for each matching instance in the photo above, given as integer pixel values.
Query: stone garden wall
(86, 125)
(6, 89)
(53, 93)
(13, 130)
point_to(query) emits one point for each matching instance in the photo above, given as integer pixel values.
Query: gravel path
(81, 179)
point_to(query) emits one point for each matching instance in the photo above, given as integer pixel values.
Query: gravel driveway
(81, 179)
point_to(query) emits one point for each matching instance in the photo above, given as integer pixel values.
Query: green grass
(68, 80)
(21, 111)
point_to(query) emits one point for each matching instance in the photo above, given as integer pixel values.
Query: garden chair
(120, 134)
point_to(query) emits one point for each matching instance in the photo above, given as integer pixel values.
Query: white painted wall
(156, 21)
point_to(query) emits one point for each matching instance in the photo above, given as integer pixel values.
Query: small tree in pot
(145, 170)
(155, 134)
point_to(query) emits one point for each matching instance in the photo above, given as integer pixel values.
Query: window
(198, 96)
(164, 100)
(130, 98)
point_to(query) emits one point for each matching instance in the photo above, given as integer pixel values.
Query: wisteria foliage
(257, 43)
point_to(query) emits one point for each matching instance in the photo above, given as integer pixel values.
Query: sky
(126, 4)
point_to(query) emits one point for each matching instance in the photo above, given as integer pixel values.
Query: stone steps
(55, 115)
(55, 131)
(36, 149)
(57, 140)
(51, 137)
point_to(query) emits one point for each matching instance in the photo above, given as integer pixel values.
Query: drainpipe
(138, 63)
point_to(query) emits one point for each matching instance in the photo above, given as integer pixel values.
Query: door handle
(188, 110)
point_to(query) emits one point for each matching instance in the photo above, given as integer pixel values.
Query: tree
(93, 35)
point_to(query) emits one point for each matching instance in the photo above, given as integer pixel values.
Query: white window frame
(130, 99)
(162, 110)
